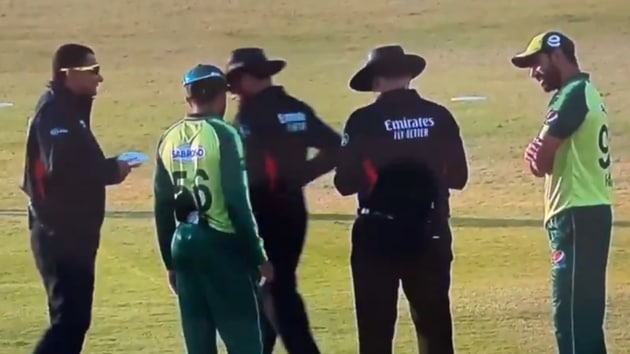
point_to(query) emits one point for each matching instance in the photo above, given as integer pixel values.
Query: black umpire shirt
(65, 172)
(400, 126)
(278, 130)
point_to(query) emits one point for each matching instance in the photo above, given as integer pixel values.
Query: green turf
(500, 289)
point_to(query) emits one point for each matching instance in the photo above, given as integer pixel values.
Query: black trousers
(283, 230)
(425, 275)
(66, 266)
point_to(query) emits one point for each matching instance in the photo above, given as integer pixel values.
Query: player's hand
(532, 150)
(266, 272)
(123, 170)
(172, 281)
(534, 170)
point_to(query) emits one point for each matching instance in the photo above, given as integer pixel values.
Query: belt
(195, 218)
(368, 211)
(392, 216)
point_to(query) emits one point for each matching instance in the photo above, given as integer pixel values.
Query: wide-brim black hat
(254, 61)
(388, 60)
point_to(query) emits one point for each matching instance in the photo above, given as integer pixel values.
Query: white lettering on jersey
(184, 153)
(293, 122)
(58, 131)
(410, 128)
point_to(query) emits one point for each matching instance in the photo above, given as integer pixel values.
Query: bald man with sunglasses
(65, 176)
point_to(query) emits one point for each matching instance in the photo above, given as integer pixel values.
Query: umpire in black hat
(278, 129)
(400, 155)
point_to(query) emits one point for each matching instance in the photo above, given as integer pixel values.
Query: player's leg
(238, 316)
(375, 283)
(232, 295)
(197, 323)
(198, 326)
(560, 230)
(426, 281)
(67, 272)
(592, 232)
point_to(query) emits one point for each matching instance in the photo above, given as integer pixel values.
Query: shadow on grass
(455, 221)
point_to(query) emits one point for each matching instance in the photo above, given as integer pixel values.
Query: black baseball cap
(544, 43)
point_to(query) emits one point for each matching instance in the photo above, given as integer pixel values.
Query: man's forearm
(321, 164)
(111, 171)
(457, 176)
(165, 228)
(456, 172)
(346, 186)
(164, 211)
(240, 211)
(248, 231)
(80, 169)
(236, 192)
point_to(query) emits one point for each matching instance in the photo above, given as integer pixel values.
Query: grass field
(500, 290)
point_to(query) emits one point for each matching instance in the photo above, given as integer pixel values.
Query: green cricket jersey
(581, 174)
(204, 155)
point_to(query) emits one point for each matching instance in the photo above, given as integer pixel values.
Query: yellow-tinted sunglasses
(95, 69)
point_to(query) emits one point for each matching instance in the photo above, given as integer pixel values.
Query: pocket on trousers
(187, 244)
(560, 230)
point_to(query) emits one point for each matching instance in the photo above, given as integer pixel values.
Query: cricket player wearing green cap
(207, 233)
(572, 153)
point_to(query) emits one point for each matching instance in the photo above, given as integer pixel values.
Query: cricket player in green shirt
(207, 233)
(572, 153)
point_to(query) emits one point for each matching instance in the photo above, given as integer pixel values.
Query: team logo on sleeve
(185, 153)
(551, 116)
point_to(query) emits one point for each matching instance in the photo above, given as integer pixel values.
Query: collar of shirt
(202, 116)
(265, 94)
(577, 77)
(80, 104)
(274, 90)
(398, 95)
(60, 90)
